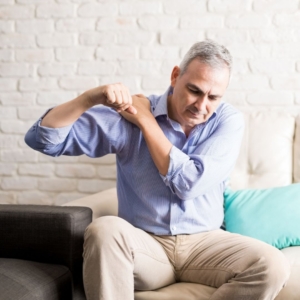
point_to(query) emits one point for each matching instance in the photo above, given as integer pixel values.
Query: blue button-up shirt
(189, 199)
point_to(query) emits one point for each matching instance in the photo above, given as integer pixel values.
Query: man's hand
(143, 115)
(116, 96)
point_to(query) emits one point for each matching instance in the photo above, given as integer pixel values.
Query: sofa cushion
(28, 280)
(266, 156)
(269, 215)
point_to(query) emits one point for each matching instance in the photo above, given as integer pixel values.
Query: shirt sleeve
(208, 163)
(98, 131)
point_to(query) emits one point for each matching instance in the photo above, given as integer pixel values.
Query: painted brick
(270, 98)
(298, 66)
(7, 169)
(140, 8)
(240, 66)
(34, 55)
(62, 198)
(56, 40)
(34, 197)
(274, 6)
(235, 98)
(30, 113)
(158, 22)
(19, 155)
(35, 84)
(94, 185)
(75, 54)
(227, 36)
(285, 50)
(17, 99)
(96, 68)
(181, 37)
(286, 82)
(107, 172)
(38, 169)
(15, 69)
(21, 183)
(55, 10)
(249, 82)
(285, 20)
(159, 52)
(2, 2)
(156, 83)
(54, 98)
(273, 35)
(204, 21)
(119, 23)
(34, 26)
(190, 7)
(96, 38)
(88, 10)
(248, 20)
(229, 6)
(7, 84)
(57, 184)
(8, 113)
(139, 68)
(56, 69)
(7, 198)
(14, 126)
(168, 65)
(105, 160)
(75, 171)
(75, 25)
(297, 97)
(8, 141)
(249, 50)
(6, 26)
(270, 66)
(117, 53)
(16, 12)
(6, 55)
(135, 37)
(78, 83)
(16, 40)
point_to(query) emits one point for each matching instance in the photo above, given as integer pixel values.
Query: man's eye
(193, 91)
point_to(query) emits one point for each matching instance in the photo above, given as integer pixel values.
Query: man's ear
(175, 75)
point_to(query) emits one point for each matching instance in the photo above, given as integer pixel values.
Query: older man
(174, 153)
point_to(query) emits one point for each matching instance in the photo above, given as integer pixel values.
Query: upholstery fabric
(47, 234)
(266, 156)
(270, 215)
(28, 280)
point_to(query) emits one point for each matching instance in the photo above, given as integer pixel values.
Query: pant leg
(240, 267)
(119, 258)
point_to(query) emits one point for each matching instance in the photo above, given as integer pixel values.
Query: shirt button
(174, 228)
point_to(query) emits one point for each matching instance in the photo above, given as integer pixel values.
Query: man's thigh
(213, 258)
(127, 245)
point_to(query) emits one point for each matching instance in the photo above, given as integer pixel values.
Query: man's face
(197, 93)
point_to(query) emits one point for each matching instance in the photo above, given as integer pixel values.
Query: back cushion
(297, 151)
(266, 156)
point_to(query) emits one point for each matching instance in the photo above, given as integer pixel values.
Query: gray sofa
(41, 252)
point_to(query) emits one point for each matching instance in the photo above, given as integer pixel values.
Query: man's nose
(201, 103)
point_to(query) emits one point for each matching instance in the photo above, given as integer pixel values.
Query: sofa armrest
(104, 203)
(49, 234)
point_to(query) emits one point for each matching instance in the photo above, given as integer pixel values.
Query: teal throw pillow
(270, 215)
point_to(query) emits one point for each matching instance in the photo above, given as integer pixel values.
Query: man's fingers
(131, 109)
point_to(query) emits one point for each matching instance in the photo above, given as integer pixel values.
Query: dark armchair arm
(48, 234)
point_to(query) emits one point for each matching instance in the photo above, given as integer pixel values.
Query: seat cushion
(28, 280)
(193, 291)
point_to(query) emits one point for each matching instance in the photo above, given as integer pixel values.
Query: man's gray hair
(208, 52)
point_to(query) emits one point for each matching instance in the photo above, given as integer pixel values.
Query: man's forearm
(159, 146)
(66, 113)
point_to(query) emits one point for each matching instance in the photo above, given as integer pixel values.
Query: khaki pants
(119, 258)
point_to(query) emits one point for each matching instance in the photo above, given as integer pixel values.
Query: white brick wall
(53, 50)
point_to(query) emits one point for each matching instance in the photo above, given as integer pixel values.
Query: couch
(269, 157)
(41, 252)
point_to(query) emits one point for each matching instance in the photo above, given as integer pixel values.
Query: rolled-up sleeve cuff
(47, 135)
(177, 160)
